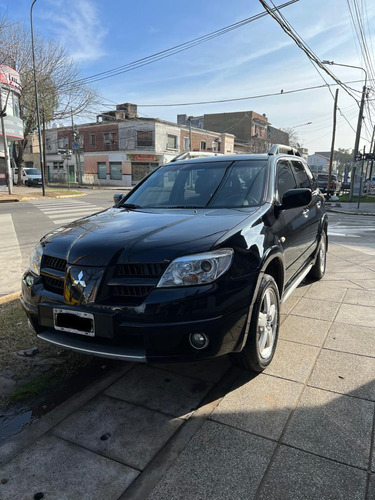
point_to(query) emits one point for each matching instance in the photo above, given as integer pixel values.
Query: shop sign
(10, 78)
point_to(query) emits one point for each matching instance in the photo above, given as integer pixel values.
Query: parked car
(369, 185)
(29, 176)
(345, 186)
(193, 263)
(322, 181)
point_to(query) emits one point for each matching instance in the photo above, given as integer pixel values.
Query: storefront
(142, 165)
(10, 91)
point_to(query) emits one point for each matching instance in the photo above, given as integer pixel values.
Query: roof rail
(277, 149)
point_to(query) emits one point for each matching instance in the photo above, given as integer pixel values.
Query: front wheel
(319, 268)
(261, 342)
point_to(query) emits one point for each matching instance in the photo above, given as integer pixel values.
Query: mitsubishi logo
(79, 281)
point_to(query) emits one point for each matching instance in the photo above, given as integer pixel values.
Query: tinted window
(285, 179)
(200, 184)
(300, 174)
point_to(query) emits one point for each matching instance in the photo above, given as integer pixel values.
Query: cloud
(77, 24)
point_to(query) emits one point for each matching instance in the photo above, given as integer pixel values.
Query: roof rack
(277, 149)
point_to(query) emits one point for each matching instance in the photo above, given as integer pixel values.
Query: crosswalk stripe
(80, 213)
(67, 211)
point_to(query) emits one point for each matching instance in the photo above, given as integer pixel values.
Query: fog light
(29, 280)
(198, 340)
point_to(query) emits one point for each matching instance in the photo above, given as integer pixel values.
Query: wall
(91, 169)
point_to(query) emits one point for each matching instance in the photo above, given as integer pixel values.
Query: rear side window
(285, 179)
(300, 174)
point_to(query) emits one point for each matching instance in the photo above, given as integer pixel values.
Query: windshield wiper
(129, 205)
(182, 206)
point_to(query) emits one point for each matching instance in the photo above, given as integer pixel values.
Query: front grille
(53, 263)
(141, 270)
(53, 285)
(131, 291)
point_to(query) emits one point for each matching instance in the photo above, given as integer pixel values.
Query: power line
(173, 50)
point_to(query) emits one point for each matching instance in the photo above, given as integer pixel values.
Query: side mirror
(295, 198)
(117, 197)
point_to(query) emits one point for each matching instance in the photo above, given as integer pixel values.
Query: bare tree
(60, 92)
(294, 140)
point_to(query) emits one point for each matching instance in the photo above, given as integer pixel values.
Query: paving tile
(371, 491)
(211, 370)
(293, 361)
(355, 276)
(360, 297)
(160, 390)
(342, 267)
(345, 373)
(351, 338)
(63, 471)
(317, 309)
(366, 284)
(283, 318)
(322, 291)
(127, 433)
(287, 306)
(356, 315)
(331, 277)
(218, 463)
(332, 426)
(261, 406)
(297, 475)
(301, 289)
(304, 330)
(336, 284)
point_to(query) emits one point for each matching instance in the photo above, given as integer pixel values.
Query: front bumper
(158, 329)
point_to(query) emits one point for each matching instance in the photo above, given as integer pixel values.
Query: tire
(319, 268)
(263, 333)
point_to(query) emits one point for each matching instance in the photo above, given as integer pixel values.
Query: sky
(255, 59)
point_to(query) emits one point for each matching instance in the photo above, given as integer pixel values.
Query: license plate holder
(67, 320)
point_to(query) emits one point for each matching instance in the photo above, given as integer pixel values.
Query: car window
(300, 174)
(200, 184)
(285, 179)
(31, 171)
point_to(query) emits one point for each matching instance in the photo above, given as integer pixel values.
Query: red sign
(144, 158)
(9, 77)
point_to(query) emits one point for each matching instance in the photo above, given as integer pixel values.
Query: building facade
(121, 148)
(10, 91)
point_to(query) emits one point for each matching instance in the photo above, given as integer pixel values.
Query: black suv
(192, 263)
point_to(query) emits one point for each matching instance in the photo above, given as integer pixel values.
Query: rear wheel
(319, 268)
(261, 342)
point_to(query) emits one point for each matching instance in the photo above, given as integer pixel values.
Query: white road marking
(10, 256)
(66, 211)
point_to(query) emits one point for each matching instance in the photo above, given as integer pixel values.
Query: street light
(359, 123)
(301, 125)
(36, 100)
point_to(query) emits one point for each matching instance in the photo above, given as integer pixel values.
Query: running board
(296, 283)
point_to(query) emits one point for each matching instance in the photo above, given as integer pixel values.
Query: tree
(294, 140)
(343, 158)
(60, 94)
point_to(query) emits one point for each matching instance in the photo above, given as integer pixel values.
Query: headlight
(35, 259)
(197, 269)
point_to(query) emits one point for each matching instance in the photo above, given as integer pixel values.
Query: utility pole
(357, 138)
(332, 144)
(44, 144)
(190, 138)
(360, 182)
(5, 141)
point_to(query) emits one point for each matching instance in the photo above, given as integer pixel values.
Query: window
(115, 169)
(203, 145)
(48, 142)
(58, 165)
(285, 179)
(172, 141)
(16, 106)
(92, 139)
(144, 138)
(300, 174)
(102, 170)
(110, 138)
(186, 144)
(63, 142)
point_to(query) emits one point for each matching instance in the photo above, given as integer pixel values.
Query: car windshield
(221, 184)
(32, 171)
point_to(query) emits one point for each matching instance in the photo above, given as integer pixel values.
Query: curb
(350, 213)
(9, 200)
(9, 297)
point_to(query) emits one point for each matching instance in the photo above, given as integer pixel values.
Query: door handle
(305, 213)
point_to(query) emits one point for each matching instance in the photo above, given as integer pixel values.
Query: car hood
(34, 176)
(121, 235)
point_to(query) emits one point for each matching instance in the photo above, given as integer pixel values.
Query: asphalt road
(24, 223)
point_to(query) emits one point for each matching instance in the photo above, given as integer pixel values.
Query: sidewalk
(302, 429)
(351, 208)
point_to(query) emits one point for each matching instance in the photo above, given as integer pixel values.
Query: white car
(30, 177)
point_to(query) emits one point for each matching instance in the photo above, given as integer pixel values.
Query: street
(24, 223)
